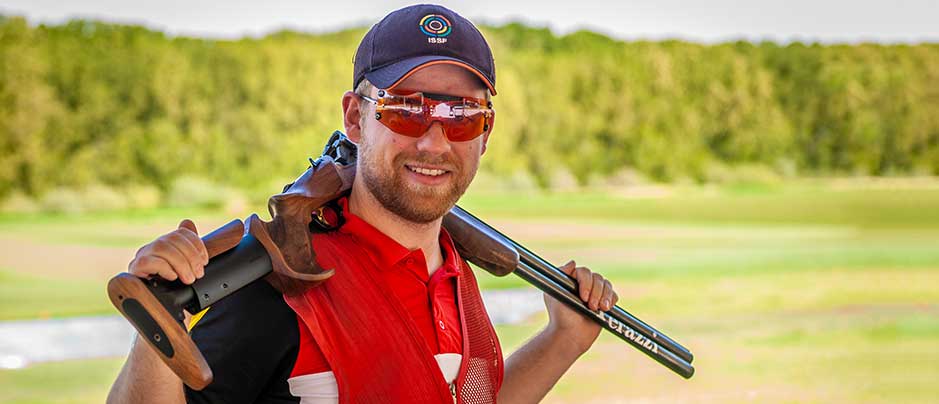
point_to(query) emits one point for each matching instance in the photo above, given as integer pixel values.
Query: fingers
(165, 249)
(188, 230)
(595, 290)
(147, 265)
(187, 255)
(610, 296)
(179, 254)
(568, 268)
(585, 281)
(193, 247)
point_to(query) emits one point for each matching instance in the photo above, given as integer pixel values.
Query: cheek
(470, 155)
(392, 149)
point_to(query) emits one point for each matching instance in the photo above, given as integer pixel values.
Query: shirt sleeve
(250, 341)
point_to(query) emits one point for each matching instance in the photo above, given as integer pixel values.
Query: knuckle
(140, 263)
(159, 247)
(143, 249)
(190, 245)
(192, 239)
(135, 267)
(176, 237)
(164, 238)
(200, 244)
(147, 249)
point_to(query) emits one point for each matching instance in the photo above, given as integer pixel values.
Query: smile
(433, 172)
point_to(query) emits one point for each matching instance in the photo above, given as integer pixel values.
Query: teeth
(427, 171)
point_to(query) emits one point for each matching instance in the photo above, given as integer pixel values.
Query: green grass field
(816, 291)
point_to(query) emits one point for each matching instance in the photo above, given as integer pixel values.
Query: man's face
(420, 179)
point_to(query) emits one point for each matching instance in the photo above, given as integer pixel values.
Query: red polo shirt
(430, 300)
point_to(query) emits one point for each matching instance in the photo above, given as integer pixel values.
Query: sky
(828, 21)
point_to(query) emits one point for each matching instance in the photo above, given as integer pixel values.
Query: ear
(351, 118)
(485, 142)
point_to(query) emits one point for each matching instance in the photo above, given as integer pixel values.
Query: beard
(416, 203)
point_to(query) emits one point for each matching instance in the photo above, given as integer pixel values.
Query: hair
(364, 88)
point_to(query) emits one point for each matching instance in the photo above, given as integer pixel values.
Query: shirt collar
(386, 251)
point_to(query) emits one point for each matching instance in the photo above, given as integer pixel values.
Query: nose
(434, 140)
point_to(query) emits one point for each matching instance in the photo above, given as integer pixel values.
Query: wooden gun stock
(159, 320)
(278, 250)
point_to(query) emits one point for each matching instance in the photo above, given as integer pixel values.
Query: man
(401, 321)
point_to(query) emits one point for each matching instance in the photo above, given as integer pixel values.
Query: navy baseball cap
(418, 36)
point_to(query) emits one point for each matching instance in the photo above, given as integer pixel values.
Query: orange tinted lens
(404, 122)
(464, 128)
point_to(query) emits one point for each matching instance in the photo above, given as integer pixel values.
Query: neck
(423, 236)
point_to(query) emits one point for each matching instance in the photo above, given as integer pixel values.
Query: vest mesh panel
(484, 364)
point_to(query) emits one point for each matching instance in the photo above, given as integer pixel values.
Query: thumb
(569, 267)
(189, 225)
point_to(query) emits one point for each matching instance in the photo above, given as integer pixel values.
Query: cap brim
(390, 76)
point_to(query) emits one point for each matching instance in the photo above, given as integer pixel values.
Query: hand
(578, 330)
(178, 254)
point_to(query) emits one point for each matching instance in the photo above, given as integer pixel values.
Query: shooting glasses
(462, 118)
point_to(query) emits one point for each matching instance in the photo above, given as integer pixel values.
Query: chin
(424, 208)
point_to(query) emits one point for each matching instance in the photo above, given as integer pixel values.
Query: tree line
(87, 103)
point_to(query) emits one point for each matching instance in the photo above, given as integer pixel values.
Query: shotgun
(279, 251)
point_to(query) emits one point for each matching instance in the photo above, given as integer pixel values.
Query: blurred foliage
(88, 104)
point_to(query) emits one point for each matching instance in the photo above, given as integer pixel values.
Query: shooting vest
(375, 351)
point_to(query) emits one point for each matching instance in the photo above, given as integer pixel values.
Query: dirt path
(29, 254)
(57, 260)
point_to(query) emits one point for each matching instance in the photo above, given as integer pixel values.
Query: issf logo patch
(436, 27)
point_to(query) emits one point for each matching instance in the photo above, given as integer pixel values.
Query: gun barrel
(621, 315)
(561, 280)
(641, 342)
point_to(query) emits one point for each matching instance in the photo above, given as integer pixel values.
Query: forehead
(445, 79)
